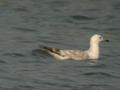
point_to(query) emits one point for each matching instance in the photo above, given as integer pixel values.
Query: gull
(91, 53)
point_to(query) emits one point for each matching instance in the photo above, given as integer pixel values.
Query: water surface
(65, 24)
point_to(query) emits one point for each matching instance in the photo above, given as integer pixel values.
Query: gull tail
(55, 52)
(51, 50)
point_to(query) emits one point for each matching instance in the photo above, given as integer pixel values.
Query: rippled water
(66, 24)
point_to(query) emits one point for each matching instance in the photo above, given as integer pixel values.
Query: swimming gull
(91, 53)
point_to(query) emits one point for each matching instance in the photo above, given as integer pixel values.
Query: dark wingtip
(45, 47)
(42, 46)
(54, 50)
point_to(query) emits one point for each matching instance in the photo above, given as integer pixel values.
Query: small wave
(9, 78)
(39, 52)
(25, 29)
(2, 62)
(78, 17)
(14, 54)
(98, 87)
(25, 86)
(21, 9)
(100, 74)
(57, 84)
(96, 64)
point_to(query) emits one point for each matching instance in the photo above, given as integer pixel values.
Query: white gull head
(97, 38)
(93, 51)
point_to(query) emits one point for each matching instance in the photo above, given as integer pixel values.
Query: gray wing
(63, 54)
(75, 54)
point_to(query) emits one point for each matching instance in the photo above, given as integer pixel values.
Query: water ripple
(39, 52)
(25, 86)
(101, 74)
(2, 62)
(14, 54)
(97, 87)
(21, 9)
(78, 17)
(26, 29)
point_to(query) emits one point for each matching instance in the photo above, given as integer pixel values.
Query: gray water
(65, 24)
